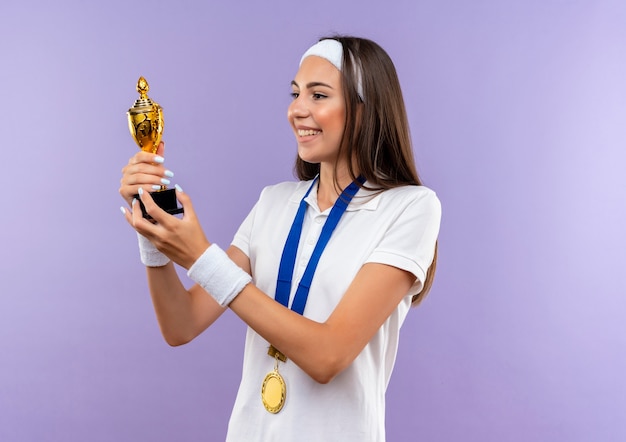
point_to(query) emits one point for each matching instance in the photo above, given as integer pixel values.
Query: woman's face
(317, 113)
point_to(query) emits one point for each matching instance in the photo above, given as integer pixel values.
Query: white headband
(332, 50)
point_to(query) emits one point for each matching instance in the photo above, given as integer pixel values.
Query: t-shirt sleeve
(241, 239)
(409, 242)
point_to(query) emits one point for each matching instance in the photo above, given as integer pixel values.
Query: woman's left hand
(180, 239)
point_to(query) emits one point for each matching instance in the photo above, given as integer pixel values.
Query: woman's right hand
(144, 170)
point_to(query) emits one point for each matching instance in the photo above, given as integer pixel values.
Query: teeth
(304, 133)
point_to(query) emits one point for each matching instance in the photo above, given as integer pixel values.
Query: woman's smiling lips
(305, 132)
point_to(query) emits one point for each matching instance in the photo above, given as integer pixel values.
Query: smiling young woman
(323, 270)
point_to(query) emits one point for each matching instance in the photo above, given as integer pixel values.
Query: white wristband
(216, 273)
(149, 254)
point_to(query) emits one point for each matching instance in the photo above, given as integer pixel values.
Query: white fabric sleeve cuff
(216, 273)
(149, 254)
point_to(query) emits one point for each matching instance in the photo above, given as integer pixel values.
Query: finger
(147, 163)
(129, 185)
(147, 167)
(148, 175)
(185, 202)
(139, 223)
(151, 181)
(145, 157)
(128, 214)
(161, 149)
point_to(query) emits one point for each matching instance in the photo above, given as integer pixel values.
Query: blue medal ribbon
(288, 258)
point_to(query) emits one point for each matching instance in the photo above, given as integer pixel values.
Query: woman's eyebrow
(312, 84)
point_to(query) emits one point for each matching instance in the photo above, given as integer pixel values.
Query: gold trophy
(145, 122)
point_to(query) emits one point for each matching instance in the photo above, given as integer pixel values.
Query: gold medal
(274, 389)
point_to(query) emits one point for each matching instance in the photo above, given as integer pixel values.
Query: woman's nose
(297, 108)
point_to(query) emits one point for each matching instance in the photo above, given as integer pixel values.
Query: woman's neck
(329, 189)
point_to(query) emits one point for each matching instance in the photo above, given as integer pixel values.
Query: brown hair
(377, 129)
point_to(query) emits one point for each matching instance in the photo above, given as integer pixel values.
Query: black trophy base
(165, 199)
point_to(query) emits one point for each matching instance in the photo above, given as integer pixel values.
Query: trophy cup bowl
(145, 122)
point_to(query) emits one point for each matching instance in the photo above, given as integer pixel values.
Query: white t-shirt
(397, 227)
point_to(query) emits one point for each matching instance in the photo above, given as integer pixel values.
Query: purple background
(518, 113)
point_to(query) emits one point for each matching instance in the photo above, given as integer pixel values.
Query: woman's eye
(317, 96)
(294, 95)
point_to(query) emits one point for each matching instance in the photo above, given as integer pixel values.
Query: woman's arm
(183, 314)
(322, 350)
(325, 349)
